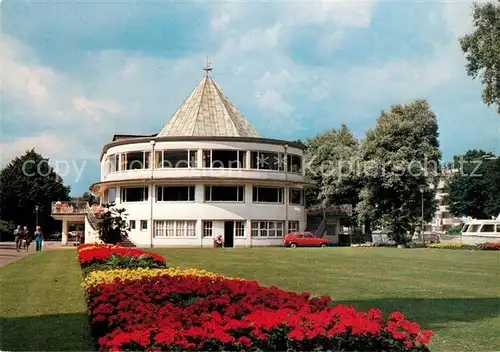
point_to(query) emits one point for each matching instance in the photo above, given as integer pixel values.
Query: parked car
(56, 236)
(305, 239)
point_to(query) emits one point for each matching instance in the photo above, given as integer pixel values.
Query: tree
(331, 163)
(112, 224)
(482, 50)
(398, 155)
(6, 230)
(474, 189)
(28, 181)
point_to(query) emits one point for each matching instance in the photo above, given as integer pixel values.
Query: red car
(304, 239)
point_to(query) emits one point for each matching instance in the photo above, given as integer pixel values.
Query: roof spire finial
(208, 65)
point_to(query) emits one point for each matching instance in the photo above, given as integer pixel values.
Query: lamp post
(422, 189)
(151, 193)
(286, 194)
(37, 208)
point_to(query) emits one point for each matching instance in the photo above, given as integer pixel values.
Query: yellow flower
(107, 276)
(449, 245)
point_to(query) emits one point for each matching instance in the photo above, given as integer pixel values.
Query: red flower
(186, 313)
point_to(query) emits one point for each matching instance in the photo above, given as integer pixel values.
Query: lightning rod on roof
(208, 65)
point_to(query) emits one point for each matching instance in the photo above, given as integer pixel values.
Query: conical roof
(207, 112)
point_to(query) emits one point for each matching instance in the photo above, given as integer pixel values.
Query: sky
(76, 73)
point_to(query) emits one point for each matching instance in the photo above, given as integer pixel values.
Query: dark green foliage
(456, 231)
(26, 182)
(123, 262)
(6, 230)
(112, 224)
(398, 155)
(331, 163)
(474, 190)
(482, 50)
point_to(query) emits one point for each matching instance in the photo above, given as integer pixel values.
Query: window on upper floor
(175, 193)
(134, 194)
(224, 194)
(110, 195)
(267, 161)
(228, 159)
(267, 194)
(175, 158)
(113, 163)
(296, 196)
(129, 161)
(294, 163)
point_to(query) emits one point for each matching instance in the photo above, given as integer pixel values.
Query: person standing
(18, 237)
(26, 237)
(38, 238)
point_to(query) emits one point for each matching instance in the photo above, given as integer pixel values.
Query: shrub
(455, 231)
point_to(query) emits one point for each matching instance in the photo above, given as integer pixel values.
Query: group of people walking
(23, 238)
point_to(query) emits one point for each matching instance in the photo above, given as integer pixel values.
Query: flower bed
(87, 246)
(119, 258)
(174, 309)
(457, 245)
(491, 246)
(95, 278)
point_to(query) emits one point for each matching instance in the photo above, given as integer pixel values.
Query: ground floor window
(266, 228)
(239, 228)
(293, 226)
(208, 228)
(175, 228)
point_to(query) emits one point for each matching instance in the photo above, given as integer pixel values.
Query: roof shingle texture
(207, 112)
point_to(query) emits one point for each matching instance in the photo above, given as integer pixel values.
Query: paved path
(8, 252)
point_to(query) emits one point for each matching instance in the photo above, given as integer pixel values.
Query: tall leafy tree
(331, 163)
(28, 181)
(474, 188)
(399, 155)
(482, 50)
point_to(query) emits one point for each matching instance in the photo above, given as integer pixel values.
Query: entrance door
(229, 234)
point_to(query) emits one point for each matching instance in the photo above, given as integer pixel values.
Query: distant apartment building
(443, 219)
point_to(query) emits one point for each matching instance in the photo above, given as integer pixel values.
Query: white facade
(247, 189)
(443, 220)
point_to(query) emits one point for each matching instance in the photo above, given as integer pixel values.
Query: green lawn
(454, 293)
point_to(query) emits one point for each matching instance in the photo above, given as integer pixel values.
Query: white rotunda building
(206, 173)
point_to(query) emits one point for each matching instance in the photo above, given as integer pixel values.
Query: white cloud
(273, 101)
(261, 38)
(319, 93)
(24, 80)
(224, 15)
(328, 12)
(95, 108)
(55, 147)
(458, 17)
